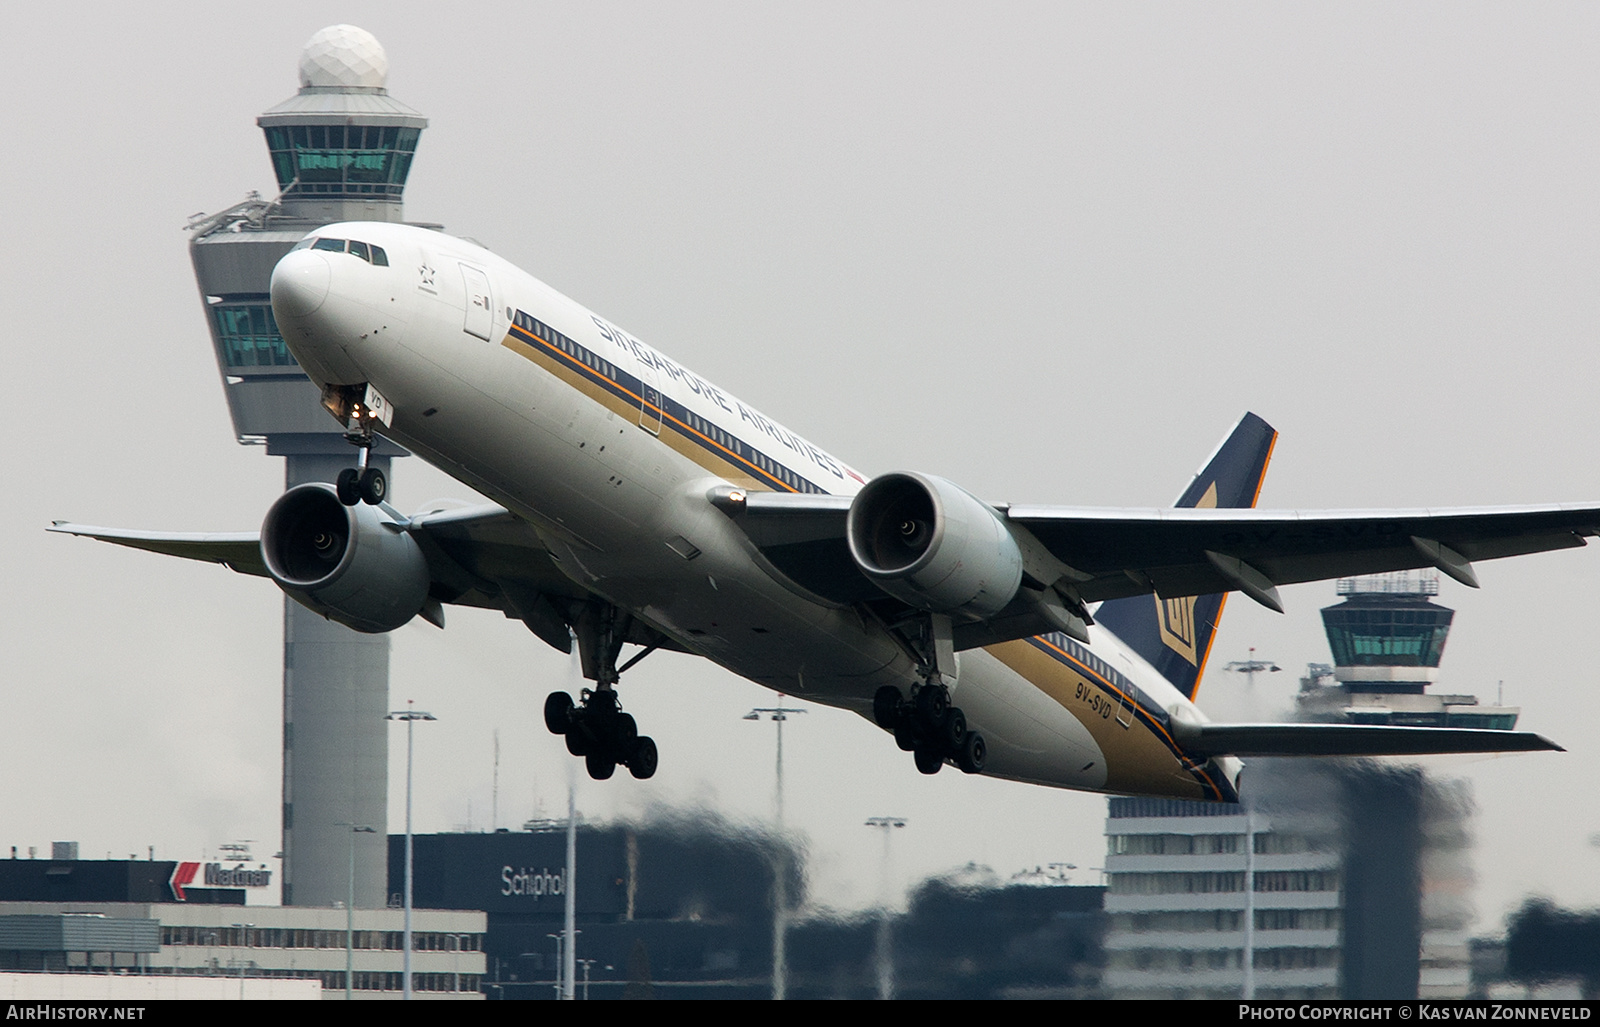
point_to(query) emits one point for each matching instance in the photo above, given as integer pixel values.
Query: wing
(1350, 740)
(482, 556)
(239, 550)
(1191, 552)
(1112, 553)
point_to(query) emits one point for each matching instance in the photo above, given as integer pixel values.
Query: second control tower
(341, 149)
(1387, 638)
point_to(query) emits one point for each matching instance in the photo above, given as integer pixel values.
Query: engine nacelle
(348, 563)
(934, 545)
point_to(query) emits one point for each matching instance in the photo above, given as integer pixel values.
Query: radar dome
(343, 57)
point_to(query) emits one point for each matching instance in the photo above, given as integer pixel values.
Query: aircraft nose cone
(300, 283)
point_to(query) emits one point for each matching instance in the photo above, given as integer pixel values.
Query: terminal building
(682, 909)
(190, 919)
(1335, 878)
(676, 908)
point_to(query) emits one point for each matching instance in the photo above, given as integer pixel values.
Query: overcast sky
(1050, 251)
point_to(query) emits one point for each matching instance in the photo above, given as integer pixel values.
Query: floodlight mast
(780, 867)
(885, 953)
(410, 716)
(350, 908)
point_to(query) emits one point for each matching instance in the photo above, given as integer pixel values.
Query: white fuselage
(609, 450)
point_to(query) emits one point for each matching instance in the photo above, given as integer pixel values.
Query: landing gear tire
(886, 707)
(928, 760)
(374, 487)
(577, 744)
(932, 702)
(905, 737)
(558, 713)
(624, 735)
(600, 765)
(972, 754)
(642, 764)
(953, 731)
(348, 485)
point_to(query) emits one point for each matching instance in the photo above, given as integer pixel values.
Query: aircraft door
(650, 394)
(1125, 701)
(480, 306)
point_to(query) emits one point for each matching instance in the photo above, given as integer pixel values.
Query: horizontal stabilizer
(240, 550)
(1350, 740)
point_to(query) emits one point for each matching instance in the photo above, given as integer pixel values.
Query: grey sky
(1050, 251)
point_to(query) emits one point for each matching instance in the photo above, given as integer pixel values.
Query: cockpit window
(303, 244)
(370, 254)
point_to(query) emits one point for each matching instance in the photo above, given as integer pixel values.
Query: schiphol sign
(216, 876)
(531, 884)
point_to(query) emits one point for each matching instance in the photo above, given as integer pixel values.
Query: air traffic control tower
(1387, 638)
(341, 149)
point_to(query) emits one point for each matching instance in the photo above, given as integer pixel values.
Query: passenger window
(359, 249)
(331, 245)
(379, 257)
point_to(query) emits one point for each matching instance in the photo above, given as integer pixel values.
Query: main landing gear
(926, 724)
(595, 726)
(929, 728)
(601, 733)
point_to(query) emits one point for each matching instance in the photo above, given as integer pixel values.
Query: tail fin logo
(1176, 616)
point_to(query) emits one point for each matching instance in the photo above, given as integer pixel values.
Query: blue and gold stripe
(648, 401)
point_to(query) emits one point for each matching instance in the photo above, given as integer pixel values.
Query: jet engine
(934, 545)
(349, 563)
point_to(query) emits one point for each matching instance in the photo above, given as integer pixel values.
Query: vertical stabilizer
(1175, 635)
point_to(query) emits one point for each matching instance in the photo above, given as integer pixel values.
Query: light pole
(780, 877)
(1251, 667)
(350, 906)
(1061, 869)
(569, 893)
(587, 963)
(244, 941)
(560, 976)
(885, 955)
(410, 716)
(1248, 956)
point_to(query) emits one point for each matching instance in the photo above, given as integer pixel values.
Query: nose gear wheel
(360, 407)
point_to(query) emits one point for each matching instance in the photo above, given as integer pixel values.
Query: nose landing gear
(361, 483)
(360, 407)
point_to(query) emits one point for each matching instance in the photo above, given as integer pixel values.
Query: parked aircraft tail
(1174, 634)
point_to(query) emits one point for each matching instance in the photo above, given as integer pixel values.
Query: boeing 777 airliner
(638, 504)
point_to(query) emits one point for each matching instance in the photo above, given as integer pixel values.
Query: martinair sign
(216, 876)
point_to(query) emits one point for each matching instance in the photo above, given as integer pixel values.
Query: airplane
(637, 504)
